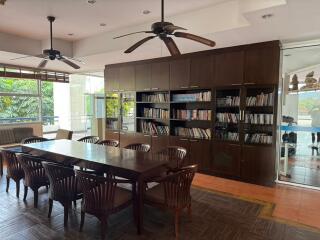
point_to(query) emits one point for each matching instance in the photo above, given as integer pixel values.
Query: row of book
(263, 99)
(155, 97)
(193, 132)
(156, 113)
(192, 97)
(153, 128)
(228, 101)
(261, 138)
(227, 136)
(191, 114)
(261, 118)
(228, 117)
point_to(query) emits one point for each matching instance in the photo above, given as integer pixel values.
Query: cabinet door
(229, 69)
(143, 77)
(127, 138)
(158, 143)
(226, 158)
(112, 135)
(143, 138)
(200, 153)
(160, 76)
(262, 65)
(201, 69)
(181, 142)
(179, 74)
(258, 164)
(111, 76)
(127, 78)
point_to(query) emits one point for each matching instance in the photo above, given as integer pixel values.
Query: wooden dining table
(126, 163)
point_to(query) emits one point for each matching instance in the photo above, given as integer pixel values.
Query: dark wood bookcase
(220, 105)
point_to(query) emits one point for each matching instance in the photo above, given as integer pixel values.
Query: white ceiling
(28, 18)
(228, 22)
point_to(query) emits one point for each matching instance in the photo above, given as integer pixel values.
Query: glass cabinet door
(128, 112)
(112, 111)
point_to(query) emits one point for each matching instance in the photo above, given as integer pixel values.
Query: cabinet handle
(184, 139)
(146, 89)
(154, 136)
(121, 90)
(249, 83)
(193, 140)
(194, 86)
(115, 132)
(183, 87)
(114, 90)
(155, 88)
(236, 84)
(121, 133)
(145, 135)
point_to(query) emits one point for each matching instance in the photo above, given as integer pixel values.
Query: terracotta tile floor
(298, 205)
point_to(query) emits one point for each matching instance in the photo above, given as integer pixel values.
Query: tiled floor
(298, 205)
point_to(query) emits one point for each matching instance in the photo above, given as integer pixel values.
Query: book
(153, 128)
(156, 113)
(155, 97)
(195, 114)
(192, 97)
(193, 132)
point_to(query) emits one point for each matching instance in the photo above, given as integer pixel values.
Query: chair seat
(155, 194)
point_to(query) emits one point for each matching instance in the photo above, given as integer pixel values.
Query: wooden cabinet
(112, 79)
(142, 138)
(158, 143)
(127, 138)
(226, 158)
(258, 164)
(262, 65)
(143, 77)
(200, 153)
(229, 69)
(201, 70)
(160, 75)
(179, 73)
(112, 135)
(127, 78)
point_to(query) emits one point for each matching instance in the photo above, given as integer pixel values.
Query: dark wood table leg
(1, 165)
(139, 202)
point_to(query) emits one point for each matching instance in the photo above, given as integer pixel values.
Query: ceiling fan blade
(132, 34)
(171, 45)
(39, 56)
(138, 44)
(71, 64)
(43, 63)
(75, 59)
(172, 28)
(195, 38)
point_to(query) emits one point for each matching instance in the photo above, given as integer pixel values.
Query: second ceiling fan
(164, 30)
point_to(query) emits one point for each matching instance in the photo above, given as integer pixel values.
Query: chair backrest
(98, 192)
(14, 168)
(34, 140)
(64, 134)
(89, 139)
(176, 156)
(33, 169)
(141, 147)
(63, 184)
(177, 187)
(109, 142)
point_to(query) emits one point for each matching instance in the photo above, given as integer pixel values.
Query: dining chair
(175, 155)
(34, 175)
(63, 187)
(141, 147)
(102, 197)
(14, 170)
(109, 142)
(89, 139)
(34, 140)
(173, 193)
(64, 134)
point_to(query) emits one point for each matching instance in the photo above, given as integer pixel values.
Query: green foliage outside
(308, 101)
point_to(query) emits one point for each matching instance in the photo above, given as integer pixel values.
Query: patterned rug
(214, 216)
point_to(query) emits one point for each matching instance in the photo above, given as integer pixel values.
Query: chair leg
(190, 211)
(177, 224)
(104, 225)
(17, 188)
(66, 212)
(35, 199)
(25, 194)
(82, 221)
(50, 207)
(8, 184)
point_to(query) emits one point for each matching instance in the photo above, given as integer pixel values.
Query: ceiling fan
(164, 30)
(53, 54)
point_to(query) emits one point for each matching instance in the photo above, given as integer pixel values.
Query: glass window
(16, 85)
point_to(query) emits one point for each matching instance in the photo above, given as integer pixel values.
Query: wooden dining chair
(14, 170)
(63, 187)
(109, 142)
(34, 140)
(64, 134)
(102, 197)
(141, 147)
(89, 139)
(173, 193)
(34, 175)
(176, 157)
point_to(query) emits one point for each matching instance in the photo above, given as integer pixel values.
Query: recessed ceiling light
(266, 16)
(70, 34)
(91, 1)
(102, 24)
(146, 12)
